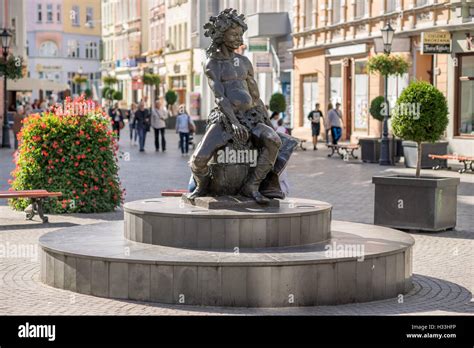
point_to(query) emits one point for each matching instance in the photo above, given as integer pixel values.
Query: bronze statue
(240, 117)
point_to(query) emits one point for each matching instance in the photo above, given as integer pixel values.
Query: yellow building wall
(82, 29)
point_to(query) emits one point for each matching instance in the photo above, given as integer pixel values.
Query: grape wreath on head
(218, 25)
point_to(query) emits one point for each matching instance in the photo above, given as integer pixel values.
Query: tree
(171, 97)
(421, 115)
(151, 80)
(278, 103)
(378, 108)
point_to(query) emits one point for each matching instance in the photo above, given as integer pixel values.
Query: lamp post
(387, 37)
(5, 38)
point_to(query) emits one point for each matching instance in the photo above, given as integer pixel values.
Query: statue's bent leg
(269, 142)
(214, 139)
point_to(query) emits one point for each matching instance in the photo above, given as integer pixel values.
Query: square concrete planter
(370, 149)
(410, 152)
(406, 202)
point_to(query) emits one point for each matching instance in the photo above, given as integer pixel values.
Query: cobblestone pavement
(443, 262)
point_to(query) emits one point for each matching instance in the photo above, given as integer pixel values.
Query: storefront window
(310, 95)
(361, 95)
(396, 84)
(335, 84)
(466, 96)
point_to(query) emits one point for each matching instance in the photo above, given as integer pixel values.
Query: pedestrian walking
(158, 118)
(335, 122)
(18, 118)
(132, 125)
(117, 119)
(315, 117)
(142, 124)
(184, 126)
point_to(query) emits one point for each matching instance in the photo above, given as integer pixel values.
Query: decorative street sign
(438, 42)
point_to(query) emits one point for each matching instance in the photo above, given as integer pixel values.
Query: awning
(30, 84)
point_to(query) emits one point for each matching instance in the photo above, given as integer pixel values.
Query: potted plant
(277, 103)
(425, 203)
(153, 81)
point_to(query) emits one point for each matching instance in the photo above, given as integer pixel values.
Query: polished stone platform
(358, 263)
(228, 202)
(171, 222)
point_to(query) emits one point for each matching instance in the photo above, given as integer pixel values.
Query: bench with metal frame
(465, 160)
(37, 199)
(347, 149)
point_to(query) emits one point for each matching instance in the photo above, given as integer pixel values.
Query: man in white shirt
(158, 118)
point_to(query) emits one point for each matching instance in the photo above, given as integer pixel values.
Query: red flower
(76, 164)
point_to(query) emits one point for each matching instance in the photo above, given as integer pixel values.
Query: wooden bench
(173, 193)
(465, 160)
(301, 143)
(37, 199)
(347, 150)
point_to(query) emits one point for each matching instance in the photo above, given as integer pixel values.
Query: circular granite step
(359, 263)
(170, 222)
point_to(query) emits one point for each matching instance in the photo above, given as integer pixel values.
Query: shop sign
(137, 84)
(126, 63)
(46, 68)
(438, 42)
(262, 62)
(258, 45)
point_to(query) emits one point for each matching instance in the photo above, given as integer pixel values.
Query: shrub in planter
(277, 103)
(71, 150)
(421, 115)
(419, 203)
(171, 97)
(377, 108)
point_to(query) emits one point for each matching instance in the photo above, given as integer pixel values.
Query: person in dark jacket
(117, 119)
(142, 124)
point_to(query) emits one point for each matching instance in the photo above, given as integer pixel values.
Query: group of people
(142, 120)
(332, 123)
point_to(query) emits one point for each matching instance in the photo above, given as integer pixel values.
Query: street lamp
(5, 40)
(387, 37)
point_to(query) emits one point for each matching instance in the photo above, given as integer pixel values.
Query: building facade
(63, 40)
(333, 39)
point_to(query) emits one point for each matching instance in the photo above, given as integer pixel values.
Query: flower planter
(370, 149)
(406, 202)
(410, 152)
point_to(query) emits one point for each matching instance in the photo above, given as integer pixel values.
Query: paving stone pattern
(443, 262)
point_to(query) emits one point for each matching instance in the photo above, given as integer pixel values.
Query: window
(308, 14)
(49, 13)
(335, 83)
(73, 49)
(310, 95)
(91, 50)
(89, 16)
(58, 13)
(336, 11)
(390, 6)
(396, 85)
(75, 16)
(361, 94)
(39, 13)
(48, 49)
(465, 95)
(361, 9)
(421, 3)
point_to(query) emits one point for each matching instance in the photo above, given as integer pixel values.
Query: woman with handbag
(117, 118)
(142, 124)
(184, 126)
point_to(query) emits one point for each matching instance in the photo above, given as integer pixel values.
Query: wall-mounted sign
(126, 63)
(46, 68)
(137, 84)
(258, 45)
(438, 42)
(262, 62)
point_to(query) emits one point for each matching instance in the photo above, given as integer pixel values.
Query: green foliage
(88, 93)
(171, 97)
(109, 80)
(151, 79)
(13, 68)
(431, 122)
(80, 79)
(387, 65)
(72, 151)
(278, 103)
(377, 108)
(117, 95)
(106, 93)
